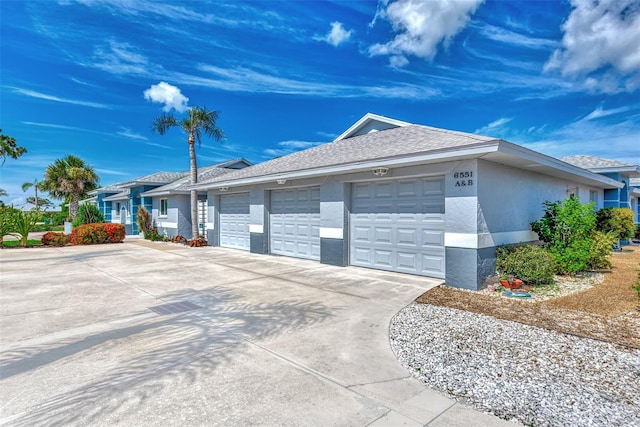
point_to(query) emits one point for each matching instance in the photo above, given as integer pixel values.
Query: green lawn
(15, 243)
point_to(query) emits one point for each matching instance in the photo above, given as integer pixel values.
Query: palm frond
(163, 123)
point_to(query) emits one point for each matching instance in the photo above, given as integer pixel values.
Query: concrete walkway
(265, 341)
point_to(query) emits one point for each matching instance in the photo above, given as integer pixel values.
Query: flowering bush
(179, 239)
(196, 243)
(53, 238)
(90, 234)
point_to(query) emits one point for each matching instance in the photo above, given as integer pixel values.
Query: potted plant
(510, 282)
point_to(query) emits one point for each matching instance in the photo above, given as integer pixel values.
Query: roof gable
(371, 123)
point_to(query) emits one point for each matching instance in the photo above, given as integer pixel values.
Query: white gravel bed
(519, 372)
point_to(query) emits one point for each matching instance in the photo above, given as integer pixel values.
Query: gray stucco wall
(177, 221)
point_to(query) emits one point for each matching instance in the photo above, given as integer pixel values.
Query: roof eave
(632, 171)
(538, 162)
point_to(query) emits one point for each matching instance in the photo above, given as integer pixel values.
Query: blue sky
(559, 77)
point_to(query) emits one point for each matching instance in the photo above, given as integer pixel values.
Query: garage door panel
(234, 221)
(407, 261)
(407, 236)
(434, 238)
(295, 222)
(382, 258)
(407, 220)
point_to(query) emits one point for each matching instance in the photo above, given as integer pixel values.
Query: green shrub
(23, 224)
(600, 251)
(53, 238)
(143, 220)
(530, 263)
(88, 213)
(566, 229)
(154, 236)
(90, 234)
(617, 221)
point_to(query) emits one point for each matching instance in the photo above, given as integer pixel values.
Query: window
(164, 207)
(593, 197)
(117, 208)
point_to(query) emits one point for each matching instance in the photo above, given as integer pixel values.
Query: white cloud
(510, 37)
(421, 26)
(495, 128)
(600, 112)
(120, 58)
(170, 96)
(601, 40)
(241, 79)
(128, 133)
(337, 35)
(39, 95)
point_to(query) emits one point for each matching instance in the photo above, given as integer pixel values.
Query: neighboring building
(395, 196)
(120, 202)
(626, 173)
(171, 203)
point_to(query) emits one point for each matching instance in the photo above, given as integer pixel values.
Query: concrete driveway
(260, 340)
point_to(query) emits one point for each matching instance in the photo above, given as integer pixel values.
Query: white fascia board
(369, 117)
(632, 171)
(433, 157)
(548, 161)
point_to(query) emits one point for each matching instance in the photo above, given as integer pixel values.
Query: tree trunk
(35, 186)
(194, 193)
(73, 206)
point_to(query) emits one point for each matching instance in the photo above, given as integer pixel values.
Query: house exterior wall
(486, 205)
(177, 221)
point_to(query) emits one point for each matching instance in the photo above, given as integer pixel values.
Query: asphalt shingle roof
(157, 177)
(390, 143)
(182, 184)
(592, 162)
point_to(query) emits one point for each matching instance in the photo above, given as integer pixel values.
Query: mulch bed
(608, 312)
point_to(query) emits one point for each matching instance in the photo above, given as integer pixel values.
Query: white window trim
(160, 214)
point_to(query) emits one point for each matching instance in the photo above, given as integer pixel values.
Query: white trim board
(487, 240)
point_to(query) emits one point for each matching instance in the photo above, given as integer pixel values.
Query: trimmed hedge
(91, 234)
(53, 238)
(530, 263)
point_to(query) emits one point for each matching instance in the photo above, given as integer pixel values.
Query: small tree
(88, 214)
(9, 147)
(566, 229)
(616, 221)
(144, 220)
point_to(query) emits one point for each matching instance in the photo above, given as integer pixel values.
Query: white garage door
(234, 221)
(294, 223)
(399, 226)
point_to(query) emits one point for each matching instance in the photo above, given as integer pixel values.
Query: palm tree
(70, 178)
(36, 185)
(199, 121)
